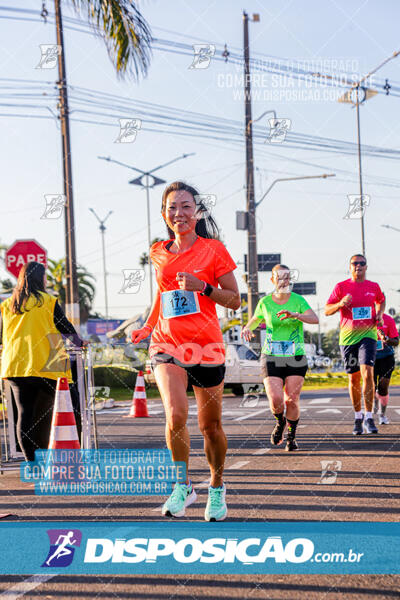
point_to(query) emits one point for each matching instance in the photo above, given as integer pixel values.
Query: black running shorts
(362, 353)
(384, 367)
(283, 366)
(204, 376)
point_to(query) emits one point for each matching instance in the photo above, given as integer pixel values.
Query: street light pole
(323, 176)
(252, 281)
(347, 97)
(150, 181)
(72, 296)
(103, 231)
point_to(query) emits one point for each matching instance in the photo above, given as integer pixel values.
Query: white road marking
(20, 589)
(330, 410)
(238, 465)
(253, 414)
(202, 485)
(320, 401)
(263, 450)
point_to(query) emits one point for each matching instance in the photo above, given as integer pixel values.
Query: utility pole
(319, 328)
(72, 296)
(252, 280)
(103, 231)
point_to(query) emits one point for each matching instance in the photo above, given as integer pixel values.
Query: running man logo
(357, 208)
(288, 278)
(132, 281)
(203, 54)
(128, 129)
(251, 395)
(62, 542)
(54, 206)
(99, 394)
(278, 129)
(329, 471)
(205, 202)
(50, 53)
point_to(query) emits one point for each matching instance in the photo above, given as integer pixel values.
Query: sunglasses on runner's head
(362, 263)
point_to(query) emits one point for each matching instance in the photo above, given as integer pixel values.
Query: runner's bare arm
(228, 295)
(331, 309)
(247, 331)
(308, 316)
(391, 341)
(380, 309)
(140, 334)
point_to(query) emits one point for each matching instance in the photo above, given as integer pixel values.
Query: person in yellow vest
(34, 355)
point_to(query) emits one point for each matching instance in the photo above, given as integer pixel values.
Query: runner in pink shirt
(361, 304)
(388, 339)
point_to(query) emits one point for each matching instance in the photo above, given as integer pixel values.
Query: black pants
(34, 399)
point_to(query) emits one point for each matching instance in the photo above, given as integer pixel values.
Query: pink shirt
(358, 320)
(388, 328)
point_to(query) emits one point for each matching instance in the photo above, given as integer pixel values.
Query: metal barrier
(82, 396)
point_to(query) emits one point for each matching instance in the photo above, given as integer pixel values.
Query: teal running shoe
(183, 495)
(216, 509)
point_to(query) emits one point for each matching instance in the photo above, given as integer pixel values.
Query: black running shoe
(369, 426)
(291, 445)
(358, 426)
(277, 432)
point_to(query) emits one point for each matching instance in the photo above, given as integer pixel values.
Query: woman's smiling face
(181, 213)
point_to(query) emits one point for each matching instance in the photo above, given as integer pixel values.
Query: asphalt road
(263, 484)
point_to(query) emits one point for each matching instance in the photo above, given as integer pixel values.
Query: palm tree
(127, 38)
(144, 257)
(56, 281)
(125, 32)
(7, 286)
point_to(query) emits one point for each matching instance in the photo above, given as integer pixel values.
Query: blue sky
(302, 220)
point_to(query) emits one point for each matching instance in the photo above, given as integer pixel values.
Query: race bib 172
(178, 303)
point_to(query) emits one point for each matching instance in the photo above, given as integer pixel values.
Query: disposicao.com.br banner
(190, 547)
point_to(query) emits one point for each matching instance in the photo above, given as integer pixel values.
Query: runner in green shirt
(283, 361)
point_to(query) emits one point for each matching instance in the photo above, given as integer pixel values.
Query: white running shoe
(383, 420)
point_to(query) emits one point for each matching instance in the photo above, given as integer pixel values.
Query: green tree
(144, 257)
(330, 343)
(56, 281)
(125, 32)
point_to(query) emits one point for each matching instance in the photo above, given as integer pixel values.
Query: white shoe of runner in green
(182, 496)
(216, 509)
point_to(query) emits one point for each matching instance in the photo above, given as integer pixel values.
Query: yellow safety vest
(32, 345)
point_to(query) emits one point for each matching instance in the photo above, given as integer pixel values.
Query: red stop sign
(23, 251)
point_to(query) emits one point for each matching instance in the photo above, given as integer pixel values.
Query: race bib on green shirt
(282, 348)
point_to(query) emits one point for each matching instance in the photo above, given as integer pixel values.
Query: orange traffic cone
(64, 434)
(139, 400)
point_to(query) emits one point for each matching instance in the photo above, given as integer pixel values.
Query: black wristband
(207, 290)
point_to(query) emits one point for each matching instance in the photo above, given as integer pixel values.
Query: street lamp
(390, 227)
(147, 181)
(323, 176)
(348, 97)
(102, 231)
